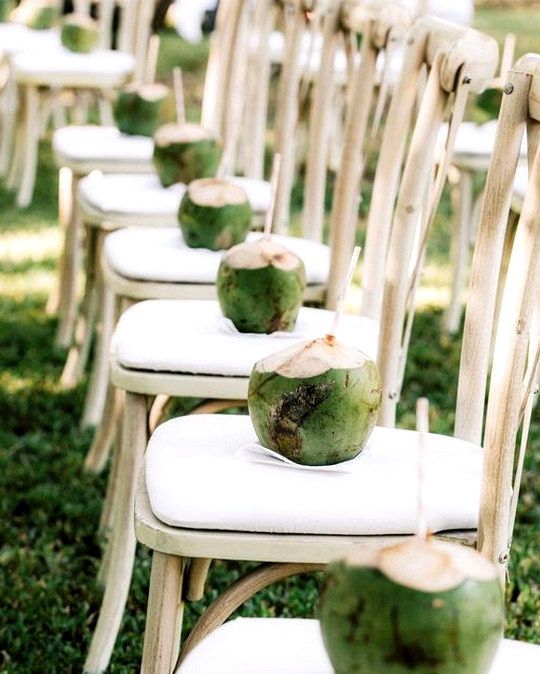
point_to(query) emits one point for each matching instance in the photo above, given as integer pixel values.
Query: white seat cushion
(102, 67)
(295, 646)
(133, 194)
(16, 38)
(188, 16)
(191, 336)
(207, 472)
(100, 145)
(160, 254)
(260, 646)
(145, 195)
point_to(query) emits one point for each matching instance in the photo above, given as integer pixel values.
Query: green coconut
(214, 213)
(316, 403)
(140, 109)
(422, 606)
(260, 286)
(79, 33)
(37, 14)
(184, 152)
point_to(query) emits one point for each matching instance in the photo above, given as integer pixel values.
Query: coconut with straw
(423, 605)
(317, 402)
(184, 151)
(260, 283)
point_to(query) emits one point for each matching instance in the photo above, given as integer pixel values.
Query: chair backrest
(305, 77)
(511, 328)
(406, 194)
(384, 27)
(380, 26)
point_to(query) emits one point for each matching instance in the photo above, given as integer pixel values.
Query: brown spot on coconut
(184, 152)
(79, 33)
(426, 606)
(214, 213)
(260, 286)
(316, 403)
(140, 109)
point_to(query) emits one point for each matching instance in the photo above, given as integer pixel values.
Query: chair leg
(97, 390)
(78, 353)
(122, 540)
(98, 453)
(107, 511)
(10, 105)
(70, 263)
(30, 148)
(164, 614)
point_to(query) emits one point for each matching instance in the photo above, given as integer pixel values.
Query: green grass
(50, 509)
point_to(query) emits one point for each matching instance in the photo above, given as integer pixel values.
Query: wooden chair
(17, 37)
(81, 149)
(199, 498)
(165, 346)
(41, 75)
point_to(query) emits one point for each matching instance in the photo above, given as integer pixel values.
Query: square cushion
(62, 67)
(161, 254)
(145, 195)
(202, 473)
(192, 336)
(100, 147)
(16, 38)
(295, 646)
(260, 646)
(133, 194)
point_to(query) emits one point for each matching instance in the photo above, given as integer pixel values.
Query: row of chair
(170, 345)
(173, 344)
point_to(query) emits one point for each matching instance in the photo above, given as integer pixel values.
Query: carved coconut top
(311, 358)
(149, 91)
(263, 252)
(428, 565)
(185, 132)
(216, 192)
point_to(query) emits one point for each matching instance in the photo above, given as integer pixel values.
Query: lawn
(49, 507)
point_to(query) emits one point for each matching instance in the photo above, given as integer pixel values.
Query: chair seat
(62, 67)
(16, 38)
(208, 472)
(161, 255)
(191, 336)
(140, 196)
(295, 646)
(88, 147)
